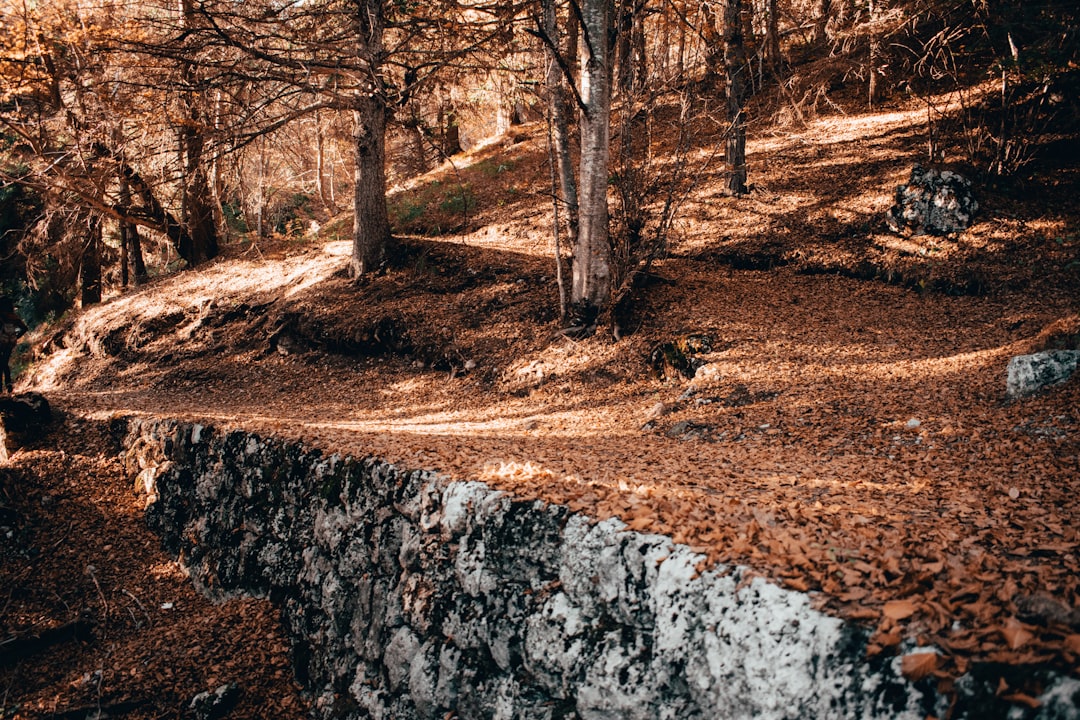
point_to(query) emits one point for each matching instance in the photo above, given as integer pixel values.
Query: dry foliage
(850, 437)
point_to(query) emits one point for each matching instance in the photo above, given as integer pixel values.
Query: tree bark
(560, 123)
(198, 210)
(822, 9)
(772, 38)
(734, 69)
(371, 226)
(591, 289)
(90, 268)
(326, 196)
(872, 92)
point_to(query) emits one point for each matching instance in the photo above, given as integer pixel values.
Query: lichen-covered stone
(1028, 374)
(409, 597)
(933, 202)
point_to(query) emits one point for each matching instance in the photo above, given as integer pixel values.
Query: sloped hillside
(801, 390)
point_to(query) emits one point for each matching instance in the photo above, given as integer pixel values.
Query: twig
(149, 620)
(91, 571)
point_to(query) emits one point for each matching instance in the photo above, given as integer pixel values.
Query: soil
(847, 431)
(95, 620)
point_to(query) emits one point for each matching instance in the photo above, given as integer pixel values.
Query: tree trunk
(90, 268)
(325, 196)
(371, 226)
(560, 124)
(874, 52)
(562, 166)
(138, 263)
(734, 69)
(198, 210)
(772, 39)
(202, 228)
(591, 289)
(822, 9)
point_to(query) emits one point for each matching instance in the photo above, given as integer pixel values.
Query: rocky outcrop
(933, 202)
(410, 597)
(1028, 374)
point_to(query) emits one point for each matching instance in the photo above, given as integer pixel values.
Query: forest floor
(848, 433)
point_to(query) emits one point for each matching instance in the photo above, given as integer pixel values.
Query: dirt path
(846, 437)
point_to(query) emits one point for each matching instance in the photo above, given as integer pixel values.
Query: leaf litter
(850, 438)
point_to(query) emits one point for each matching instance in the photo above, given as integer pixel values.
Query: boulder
(22, 418)
(1028, 374)
(933, 202)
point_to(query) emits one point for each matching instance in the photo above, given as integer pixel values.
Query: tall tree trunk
(591, 289)
(326, 196)
(735, 69)
(560, 123)
(135, 252)
(772, 38)
(202, 227)
(198, 211)
(566, 197)
(125, 230)
(875, 50)
(90, 268)
(371, 225)
(822, 8)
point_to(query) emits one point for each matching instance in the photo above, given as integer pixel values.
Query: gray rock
(1028, 374)
(933, 202)
(406, 596)
(216, 704)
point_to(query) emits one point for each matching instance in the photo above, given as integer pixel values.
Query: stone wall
(410, 597)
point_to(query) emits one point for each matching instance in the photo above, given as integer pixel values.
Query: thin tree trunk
(325, 196)
(821, 20)
(560, 124)
(772, 39)
(874, 52)
(260, 197)
(562, 171)
(591, 290)
(139, 265)
(735, 68)
(90, 268)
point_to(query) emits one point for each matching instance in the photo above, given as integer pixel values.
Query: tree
(734, 73)
(591, 284)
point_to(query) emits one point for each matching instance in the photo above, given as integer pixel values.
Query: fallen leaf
(1022, 699)
(796, 583)
(1015, 634)
(918, 665)
(899, 609)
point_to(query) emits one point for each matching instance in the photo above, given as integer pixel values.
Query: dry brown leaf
(1023, 699)
(797, 583)
(899, 609)
(1016, 634)
(918, 665)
